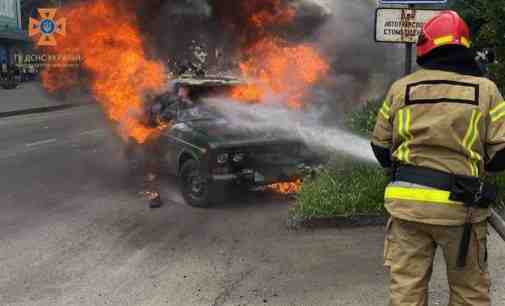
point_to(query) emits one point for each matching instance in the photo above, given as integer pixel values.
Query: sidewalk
(30, 97)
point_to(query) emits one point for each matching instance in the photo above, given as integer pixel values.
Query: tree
(485, 18)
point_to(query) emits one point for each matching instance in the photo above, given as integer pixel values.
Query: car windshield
(200, 110)
(198, 113)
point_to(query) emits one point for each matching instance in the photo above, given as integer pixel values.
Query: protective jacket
(444, 120)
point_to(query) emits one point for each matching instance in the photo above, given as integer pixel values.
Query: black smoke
(341, 29)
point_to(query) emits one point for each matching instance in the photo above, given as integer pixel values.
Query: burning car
(209, 155)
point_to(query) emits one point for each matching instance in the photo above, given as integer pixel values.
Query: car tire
(195, 189)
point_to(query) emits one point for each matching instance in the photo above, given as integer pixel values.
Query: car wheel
(195, 188)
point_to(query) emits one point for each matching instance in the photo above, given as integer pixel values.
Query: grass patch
(346, 188)
(349, 191)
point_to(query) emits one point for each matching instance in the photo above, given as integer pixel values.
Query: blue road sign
(413, 1)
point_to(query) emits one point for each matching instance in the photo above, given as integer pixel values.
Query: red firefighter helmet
(447, 28)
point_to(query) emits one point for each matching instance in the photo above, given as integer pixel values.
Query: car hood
(221, 133)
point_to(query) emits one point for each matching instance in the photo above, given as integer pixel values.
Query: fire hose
(498, 223)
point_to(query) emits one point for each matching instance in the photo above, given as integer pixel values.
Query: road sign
(397, 25)
(413, 1)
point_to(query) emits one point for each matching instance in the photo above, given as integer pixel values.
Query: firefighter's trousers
(409, 253)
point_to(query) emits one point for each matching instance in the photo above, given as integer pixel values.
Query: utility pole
(408, 51)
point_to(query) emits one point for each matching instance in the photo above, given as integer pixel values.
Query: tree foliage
(485, 18)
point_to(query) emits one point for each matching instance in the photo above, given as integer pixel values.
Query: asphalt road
(73, 231)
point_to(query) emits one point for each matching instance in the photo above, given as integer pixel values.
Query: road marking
(72, 142)
(42, 142)
(92, 132)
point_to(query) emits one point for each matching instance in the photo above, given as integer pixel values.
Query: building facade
(13, 40)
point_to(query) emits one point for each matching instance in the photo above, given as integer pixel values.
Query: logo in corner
(47, 27)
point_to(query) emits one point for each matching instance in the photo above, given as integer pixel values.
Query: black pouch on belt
(474, 193)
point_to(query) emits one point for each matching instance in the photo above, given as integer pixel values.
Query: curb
(338, 222)
(39, 110)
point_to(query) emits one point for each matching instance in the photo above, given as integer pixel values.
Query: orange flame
(287, 187)
(113, 57)
(281, 68)
(284, 70)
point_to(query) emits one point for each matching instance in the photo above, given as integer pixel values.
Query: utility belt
(471, 191)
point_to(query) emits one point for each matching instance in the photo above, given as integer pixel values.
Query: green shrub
(362, 121)
(353, 190)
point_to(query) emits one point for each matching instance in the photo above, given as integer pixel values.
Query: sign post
(402, 25)
(408, 52)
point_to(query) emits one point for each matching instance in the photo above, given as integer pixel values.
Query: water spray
(273, 118)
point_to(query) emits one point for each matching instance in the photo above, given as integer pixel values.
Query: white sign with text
(397, 25)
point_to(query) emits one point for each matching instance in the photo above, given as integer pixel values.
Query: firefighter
(440, 130)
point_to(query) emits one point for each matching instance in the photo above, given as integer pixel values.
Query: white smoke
(362, 68)
(273, 118)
